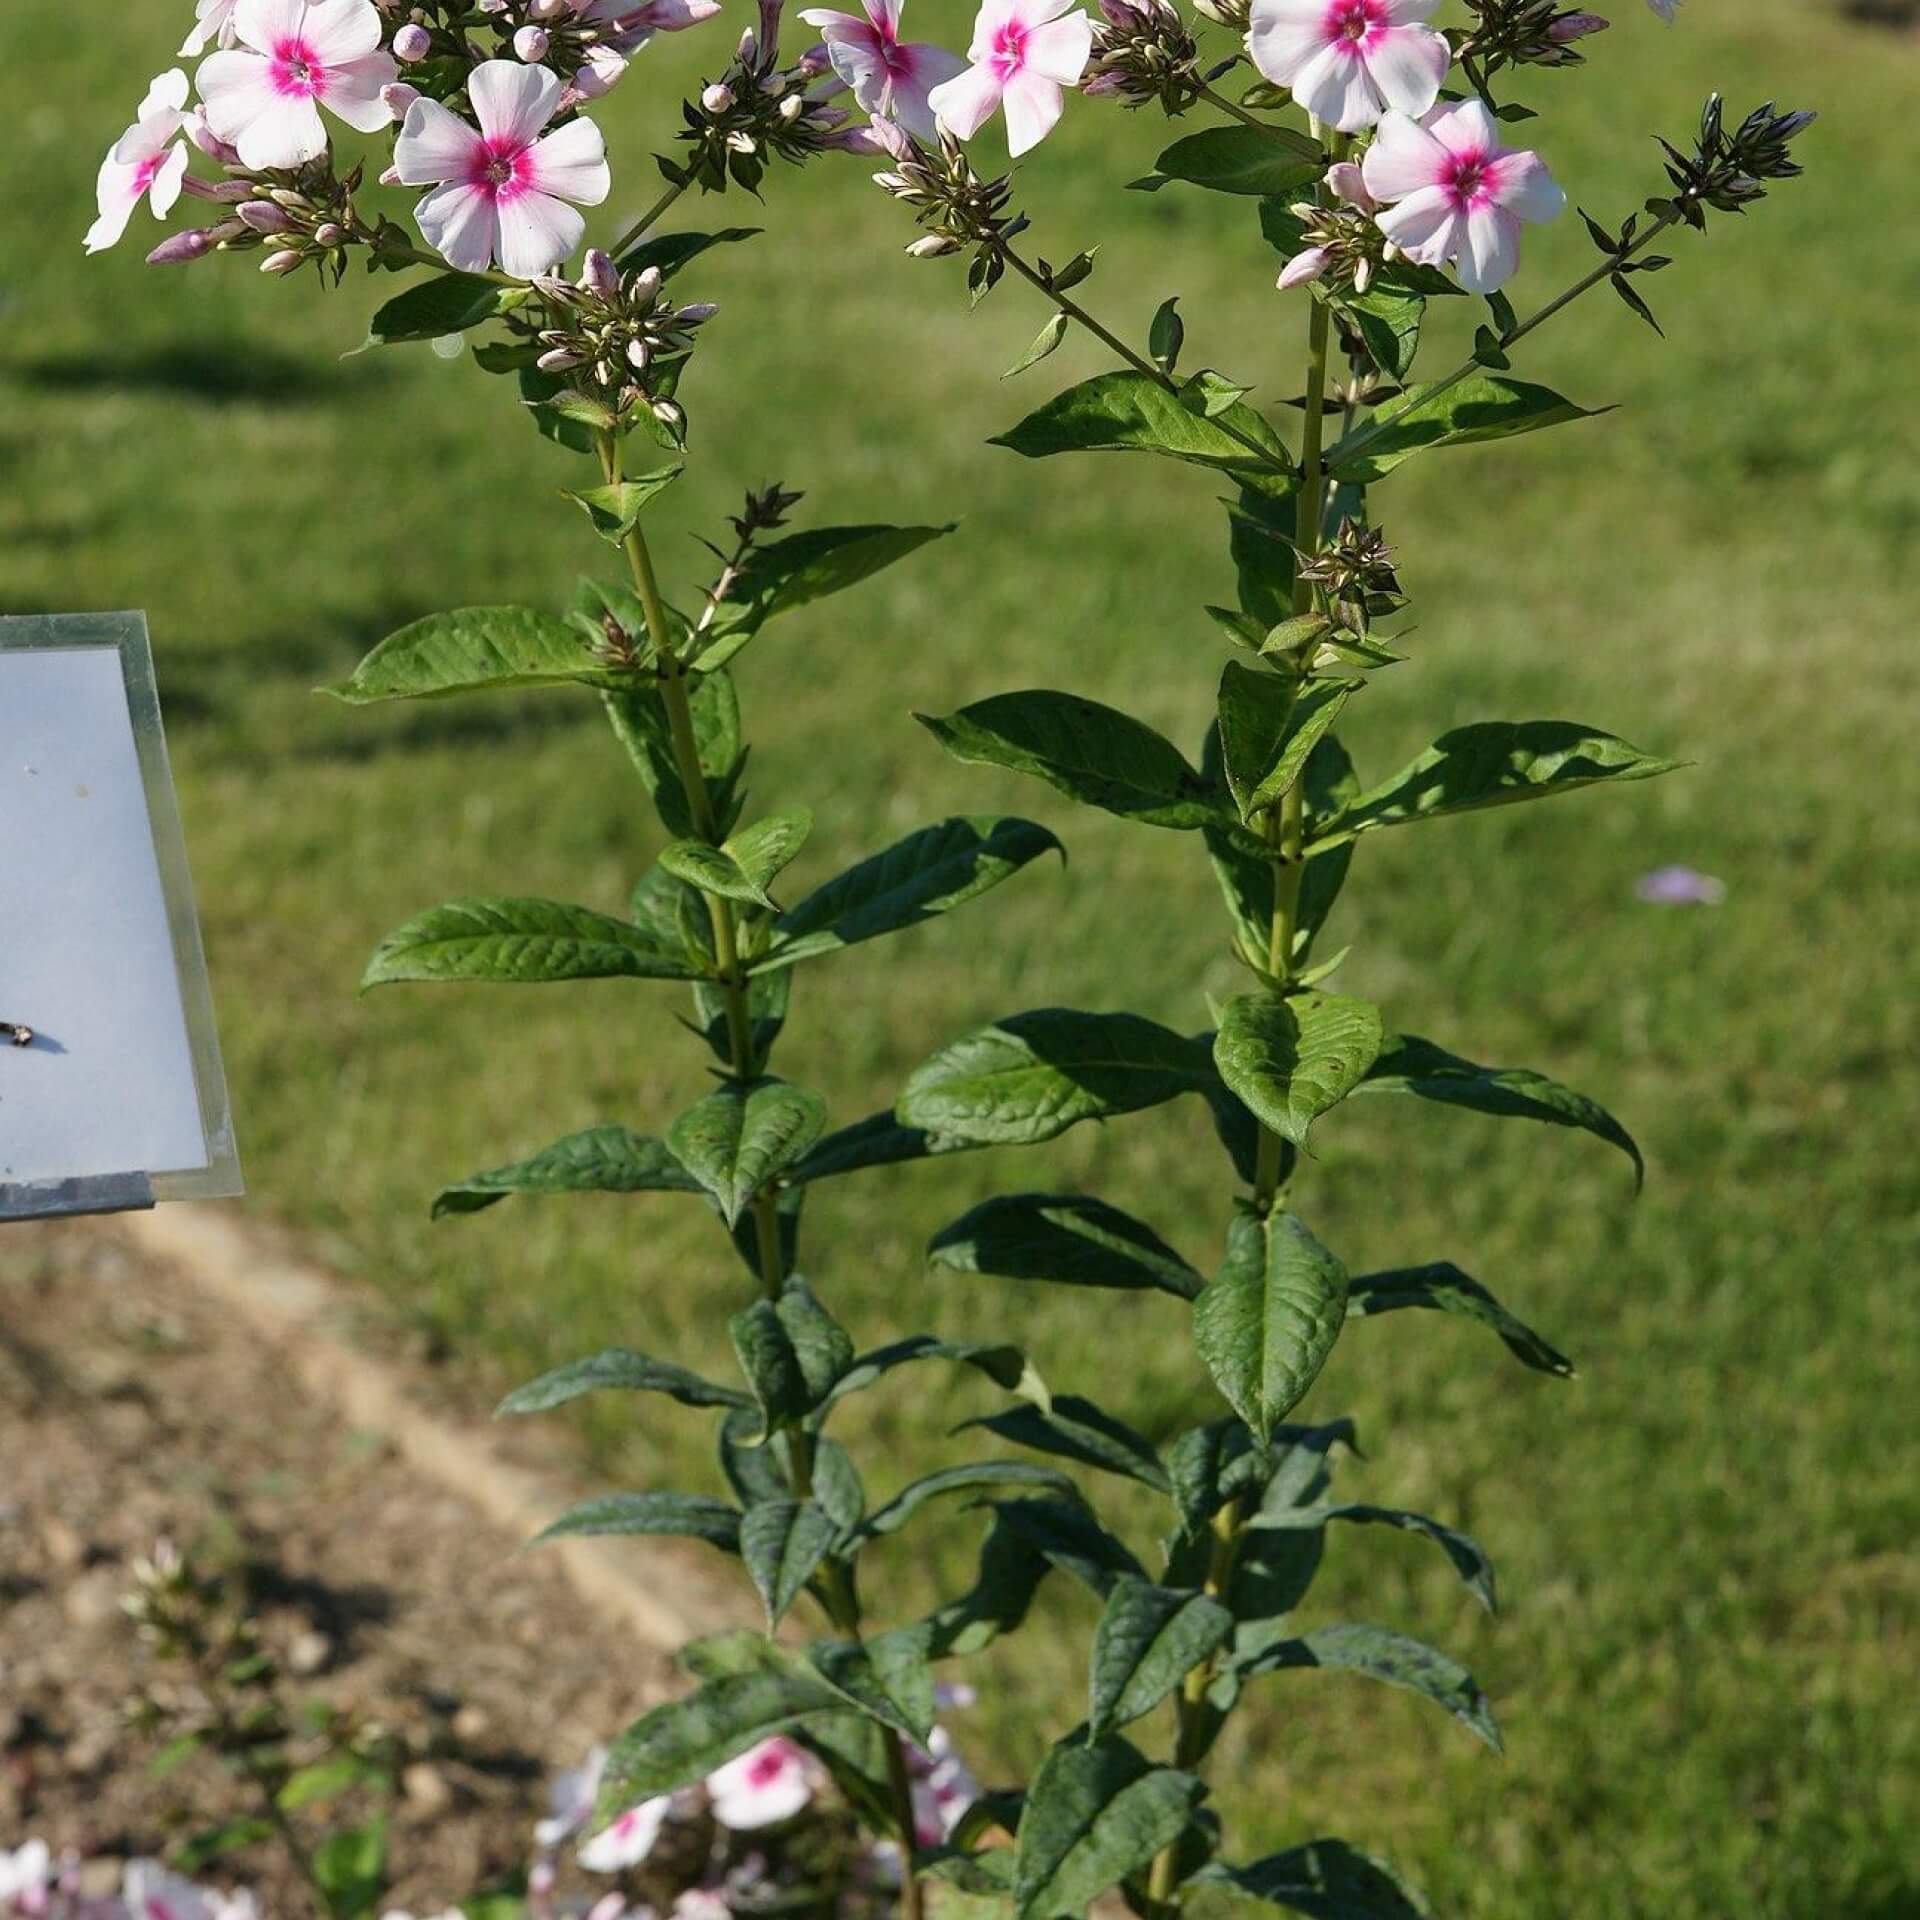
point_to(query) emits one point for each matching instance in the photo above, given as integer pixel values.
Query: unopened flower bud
(697, 314)
(717, 98)
(644, 288)
(530, 44)
(931, 246)
(1362, 274)
(549, 9)
(638, 355)
(1345, 182)
(262, 216)
(739, 141)
(227, 192)
(745, 52)
(397, 96)
(209, 142)
(558, 360)
(412, 42)
(178, 248)
(329, 233)
(287, 260)
(1231, 14)
(774, 85)
(1575, 26)
(598, 273)
(815, 61)
(1304, 266)
(670, 415)
(791, 108)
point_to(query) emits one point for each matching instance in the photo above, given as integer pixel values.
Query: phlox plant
(1391, 162)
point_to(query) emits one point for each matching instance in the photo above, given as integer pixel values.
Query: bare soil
(132, 1408)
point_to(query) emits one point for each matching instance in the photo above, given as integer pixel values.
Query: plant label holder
(112, 1095)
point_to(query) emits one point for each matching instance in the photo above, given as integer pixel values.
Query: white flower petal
(1283, 35)
(342, 30)
(165, 187)
(434, 145)
(1408, 64)
(1468, 130)
(513, 102)
(261, 22)
(1426, 226)
(1521, 183)
(1403, 159)
(1337, 90)
(1032, 104)
(354, 91)
(572, 163)
(168, 92)
(235, 88)
(628, 1840)
(964, 104)
(537, 232)
(1059, 51)
(1492, 251)
(457, 222)
(116, 196)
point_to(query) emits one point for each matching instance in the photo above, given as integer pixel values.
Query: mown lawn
(1706, 1541)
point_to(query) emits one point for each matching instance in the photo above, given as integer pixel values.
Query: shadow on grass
(218, 374)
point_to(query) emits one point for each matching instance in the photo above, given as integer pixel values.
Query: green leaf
(745, 866)
(1033, 1075)
(471, 650)
(1096, 1812)
(1005, 1366)
(337, 1774)
(694, 1516)
(740, 1137)
(1148, 1640)
(1388, 322)
(1260, 530)
(889, 1676)
(759, 1467)
(685, 1740)
(964, 1478)
(1325, 1880)
(1268, 1320)
(621, 1370)
(1087, 751)
(600, 1160)
(520, 942)
(1076, 1429)
(1394, 1658)
(1134, 413)
(1468, 1557)
(1069, 1238)
(1443, 1288)
(783, 1542)
(1484, 406)
(1268, 729)
(1496, 763)
(639, 720)
(798, 570)
(1067, 1536)
(928, 873)
(671, 251)
(1044, 343)
(448, 303)
(1292, 1059)
(877, 1141)
(350, 1869)
(199, 1851)
(1166, 335)
(792, 1351)
(1242, 160)
(1409, 1064)
(615, 510)
(1010, 1574)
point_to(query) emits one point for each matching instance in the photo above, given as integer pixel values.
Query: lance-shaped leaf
(965, 1478)
(684, 1740)
(1051, 333)
(520, 942)
(1070, 1537)
(1241, 159)
(1087, 751)
(804, 567)
(615, 510)
(1148, 1640)
(1267, 730)
(1496, 763)
(1468, 1557)
(1033, 1075)
(1325, 1880)
(783, 1542)
(1388, 321)
(1268, 1319)
(928, 873)
(1069, 1238)
(1096, 1812)
(639, 720)
(792, 1351)
(1484, 406)
(1291, 1059)
(1076, 1429)
(671, 251)
(761, 1468)
(475, 649)
(1010, 1574)
(1443, 1288)
(1409, 1064)
(1395, 1658)
(740, 1137)
(447, 303)
(1005, 1366)
(694, 1516)
(889, 1676)
(1134, 413)
(877, 1141)
(744, 867)
(599, 1160)
(619, 1370)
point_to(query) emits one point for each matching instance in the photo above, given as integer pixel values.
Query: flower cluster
(958, 207)
(1143, 51)
(36, 1886)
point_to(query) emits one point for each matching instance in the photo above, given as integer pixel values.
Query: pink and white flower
(1348, 61)
(151, 1892)
(148, 159)
(766, 1784)
(1023, 53)
(501, 192)
(212, 27)
(888, 75)
(1458, 196)
(296, 57)
(26, 1876)
(629, 26)
(571, 1797)
(629, 1839)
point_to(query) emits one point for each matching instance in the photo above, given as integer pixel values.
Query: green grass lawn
(1706, 1541)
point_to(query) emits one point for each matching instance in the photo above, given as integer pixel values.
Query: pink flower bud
(698, 314)
(549, 9)
(1303, 267)
(892, 136)
(262, 216)
(717, 98)
(209, 142)
(396, 96)
(558, 360)
(412, 42)
(860, 140)
(645, 289)
(639, 355)
(178, 248)
(225, 192)
(599, 274)
(285, 261)
(1575, 26)
(530, 45)
(329, 233)
(815, 61)
(1344, 181)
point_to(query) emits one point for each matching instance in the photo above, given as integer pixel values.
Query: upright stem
(642, 226)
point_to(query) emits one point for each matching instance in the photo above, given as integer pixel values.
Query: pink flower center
(149, 171)
(502, 169)
(296, 70)
(1469, 178)
(1009, 49)
(766, 1768)
(1353, 25)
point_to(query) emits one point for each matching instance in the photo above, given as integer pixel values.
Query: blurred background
(1706, 1541)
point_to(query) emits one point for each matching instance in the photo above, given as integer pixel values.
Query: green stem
(641, 227)
(1237, 111)
(415, 257)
